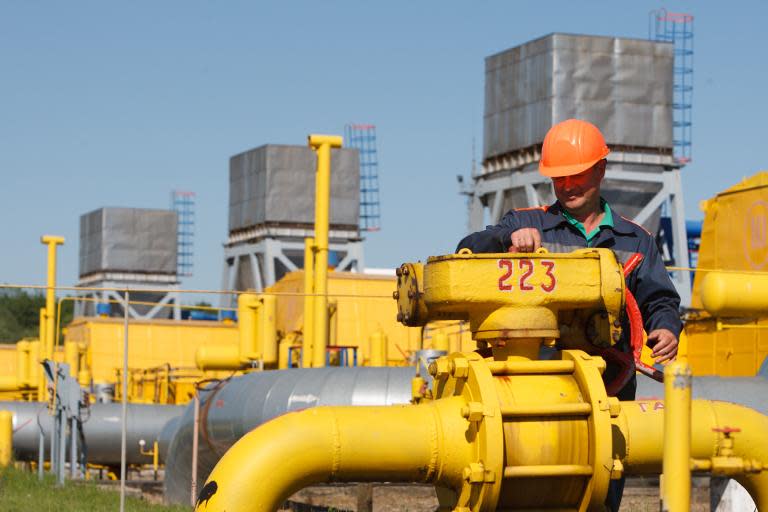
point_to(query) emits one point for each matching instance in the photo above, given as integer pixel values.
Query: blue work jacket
(650, 283)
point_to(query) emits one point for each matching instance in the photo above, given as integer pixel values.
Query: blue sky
(116, 104)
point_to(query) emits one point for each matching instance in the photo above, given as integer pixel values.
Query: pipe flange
(481, 479)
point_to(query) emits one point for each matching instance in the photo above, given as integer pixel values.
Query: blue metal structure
(363, 138)
(677, 28)
(183, 203)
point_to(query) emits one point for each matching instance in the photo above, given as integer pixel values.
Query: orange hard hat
(571, 147)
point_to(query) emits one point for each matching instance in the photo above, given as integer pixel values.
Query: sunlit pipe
(423, 443)
(308, 329)
(257, 333)
(322, 145)
(50, 294)
(734, 294)
(640, 440)
(676, 466)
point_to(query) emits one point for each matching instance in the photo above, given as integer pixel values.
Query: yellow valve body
(509, 296)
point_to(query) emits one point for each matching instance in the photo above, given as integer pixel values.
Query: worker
(574, 157)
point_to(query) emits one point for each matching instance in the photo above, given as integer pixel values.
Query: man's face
(580, 192)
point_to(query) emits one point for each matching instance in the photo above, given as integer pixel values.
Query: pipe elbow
(324, 444)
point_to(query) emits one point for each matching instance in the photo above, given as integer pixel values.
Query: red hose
(626, 362)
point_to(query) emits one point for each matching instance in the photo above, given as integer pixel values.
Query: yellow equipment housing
(161, 354)
(363, 307)
(728, 333)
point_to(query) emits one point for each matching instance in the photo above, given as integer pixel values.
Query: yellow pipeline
(257, 334)
(6, 438)
(734, 294)
(309, 303)
(676, 467)
(41, 384)
(641, 437)
(50, 294)
(322, 145)
(423, 443)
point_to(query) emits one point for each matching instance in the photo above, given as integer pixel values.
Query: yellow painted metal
(247, 305)
(33, 361)
(508, 297)
(639, 442)
(257, 337)
(41, 384)
(528, 426)
(210, 357)
(308, 328)
(335, 444)
(440, 342)
(22, 363)
(734, 294)
(676, 467)
(378, 351)
(267, 330)
(72, 357)
(6, 438)
(50, 294)
(154, 343)
(730, 282)
(364, 305)
(322, 145)
(288, 341)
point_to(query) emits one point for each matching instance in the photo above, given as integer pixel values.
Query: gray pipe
(101, 430)
(243, 403)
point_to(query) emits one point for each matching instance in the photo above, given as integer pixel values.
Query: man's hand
(664, 345)
(525, 240)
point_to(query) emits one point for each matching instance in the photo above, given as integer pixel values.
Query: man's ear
(601, 168)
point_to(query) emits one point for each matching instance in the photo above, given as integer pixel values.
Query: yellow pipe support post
(378, 341)
(50, 294)
(247, 318)
(322, 145)
(309, 303)
(6, 438)
(41, 393)
(268, 329)
(676, 467)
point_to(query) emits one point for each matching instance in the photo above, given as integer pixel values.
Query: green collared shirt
(607, 221)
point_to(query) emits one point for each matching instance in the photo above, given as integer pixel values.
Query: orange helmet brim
(558, 171)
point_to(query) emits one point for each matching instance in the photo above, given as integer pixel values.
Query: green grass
(21, 491)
